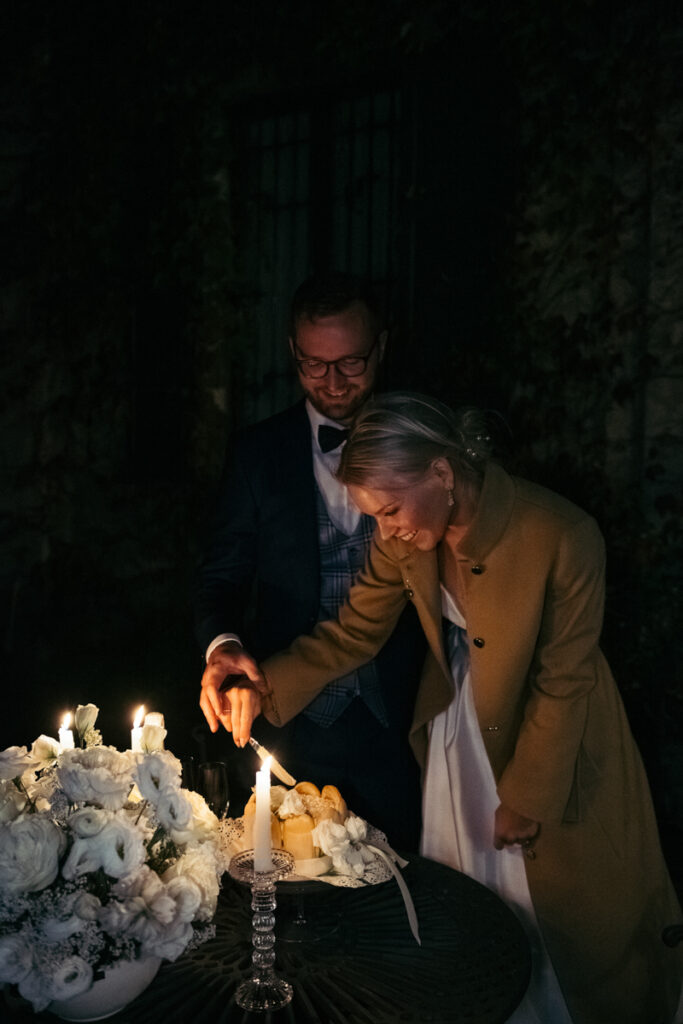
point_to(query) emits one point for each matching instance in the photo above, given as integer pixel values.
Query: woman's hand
(511, 828)
(232, 702)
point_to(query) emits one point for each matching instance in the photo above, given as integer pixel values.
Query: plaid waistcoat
(341, 557)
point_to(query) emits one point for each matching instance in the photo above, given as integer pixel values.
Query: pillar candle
(66, 736)
(154, 718)
(263, 860)
(136, 733)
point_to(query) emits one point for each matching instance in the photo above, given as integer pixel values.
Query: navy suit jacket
(260, 576)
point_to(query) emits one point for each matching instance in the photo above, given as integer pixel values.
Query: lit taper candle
(263, 860)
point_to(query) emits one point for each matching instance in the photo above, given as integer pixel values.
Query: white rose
(162, 907)
(202, 825)
(146, 884)
(14, 761)
(187, 896)
(12, 801)
(16, 959)
(120, 916)
(152, 738)
(29, 854)
(157, 772)
(45, 750)
(135, 883)
(167, 942)
(98, 775)
(85, 717)
(174, 809)
(199, 864)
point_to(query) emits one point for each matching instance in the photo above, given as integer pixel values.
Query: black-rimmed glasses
(348, 366)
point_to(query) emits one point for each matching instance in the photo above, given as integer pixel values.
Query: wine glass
(212, 783)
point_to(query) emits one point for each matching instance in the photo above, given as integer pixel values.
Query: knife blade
(275, 766)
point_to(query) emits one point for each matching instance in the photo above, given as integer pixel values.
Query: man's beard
(341, 409)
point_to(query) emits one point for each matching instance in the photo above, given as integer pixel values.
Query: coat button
(478, 641)
(477, 570)
(408, 592)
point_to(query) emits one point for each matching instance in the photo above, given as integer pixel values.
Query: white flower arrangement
(103, 858)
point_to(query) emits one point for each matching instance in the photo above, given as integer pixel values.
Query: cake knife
(275, 766)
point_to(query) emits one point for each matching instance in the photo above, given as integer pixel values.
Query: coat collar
(492, 516)
(490, 521)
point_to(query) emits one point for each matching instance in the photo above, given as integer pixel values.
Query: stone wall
(123, 307)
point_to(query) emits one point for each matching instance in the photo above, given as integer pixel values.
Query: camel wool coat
(531, 588)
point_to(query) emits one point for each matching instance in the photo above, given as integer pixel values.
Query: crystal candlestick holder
(264, 990)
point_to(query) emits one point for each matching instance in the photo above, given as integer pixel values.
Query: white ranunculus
(88, 821)
(14, 761)
(29, 853)
(152, 738)
(174, 809)
(45, 749)
(70, 978)
(12, 801)
(157, 772)
(200, 865)
(118, 849)
(16, 959)
(201, 826)
(98, 775)
(85, 717)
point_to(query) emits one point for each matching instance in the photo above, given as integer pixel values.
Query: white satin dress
(459, 803)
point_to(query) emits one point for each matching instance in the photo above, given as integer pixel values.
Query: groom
(285, 546)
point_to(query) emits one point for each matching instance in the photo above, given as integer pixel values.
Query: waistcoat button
(478, 641)
(477, 569)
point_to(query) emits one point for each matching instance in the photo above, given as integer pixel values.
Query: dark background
(511, 174)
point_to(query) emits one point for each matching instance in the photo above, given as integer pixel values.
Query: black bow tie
(330, 438)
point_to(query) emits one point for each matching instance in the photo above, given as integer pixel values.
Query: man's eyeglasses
(349, 366)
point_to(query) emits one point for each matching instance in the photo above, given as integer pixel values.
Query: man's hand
(510, 828)
(235, 706)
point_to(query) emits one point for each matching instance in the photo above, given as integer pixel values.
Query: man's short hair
(326, 294)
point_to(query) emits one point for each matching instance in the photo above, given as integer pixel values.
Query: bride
(532, 782)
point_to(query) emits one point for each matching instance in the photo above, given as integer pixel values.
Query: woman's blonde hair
(402, 433)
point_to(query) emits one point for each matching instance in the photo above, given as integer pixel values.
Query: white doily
(232, 839)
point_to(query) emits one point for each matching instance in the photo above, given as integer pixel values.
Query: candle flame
(265, 766)
(139, 715)
(66, 721)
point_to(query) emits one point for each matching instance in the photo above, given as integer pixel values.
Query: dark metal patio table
(355, 960)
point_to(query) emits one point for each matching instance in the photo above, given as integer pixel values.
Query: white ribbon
(392, 859)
